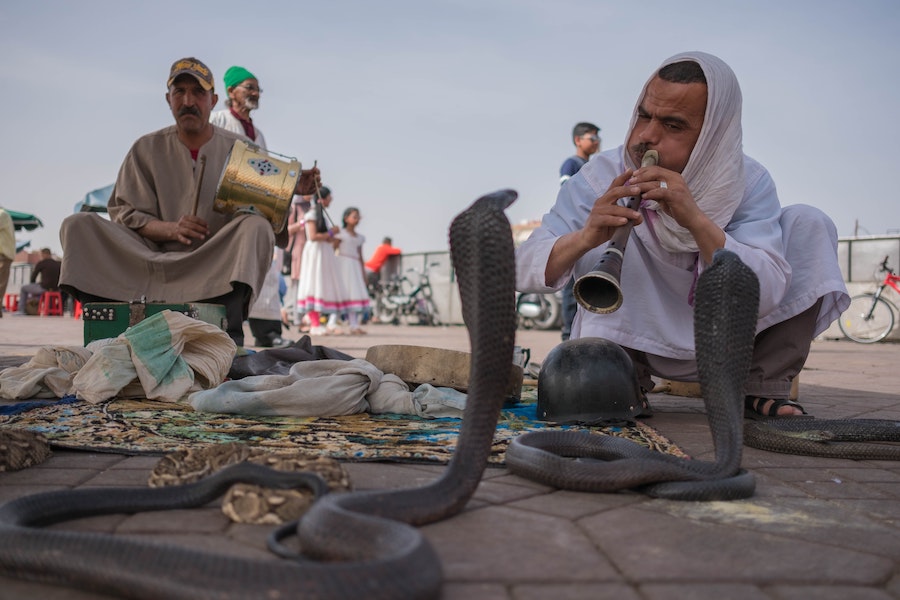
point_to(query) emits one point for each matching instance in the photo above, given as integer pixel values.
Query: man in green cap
(243, 92)
(243, 96)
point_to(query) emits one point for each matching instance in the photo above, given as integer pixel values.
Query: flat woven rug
(156, 428)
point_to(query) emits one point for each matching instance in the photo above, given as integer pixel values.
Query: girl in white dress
(319, 288)
(351, 266)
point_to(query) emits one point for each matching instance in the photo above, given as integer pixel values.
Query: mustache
(638, 149)
(189, 110)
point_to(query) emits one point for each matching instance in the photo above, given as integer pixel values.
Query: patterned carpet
(147, 427)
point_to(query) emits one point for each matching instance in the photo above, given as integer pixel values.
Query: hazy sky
(415, 108)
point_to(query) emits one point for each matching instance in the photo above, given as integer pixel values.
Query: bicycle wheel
(427, 312)
(384, 311)
(867, 320)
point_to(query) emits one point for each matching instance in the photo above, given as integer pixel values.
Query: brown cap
(194, 67)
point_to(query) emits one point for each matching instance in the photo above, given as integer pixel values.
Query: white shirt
(656, 315)
(227, 121)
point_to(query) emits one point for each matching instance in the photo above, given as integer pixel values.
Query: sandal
(646, 410)
(753, 408)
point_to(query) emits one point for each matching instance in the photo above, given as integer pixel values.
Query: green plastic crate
(109, 319)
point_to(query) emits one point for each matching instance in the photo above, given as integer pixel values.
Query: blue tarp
(95, 201)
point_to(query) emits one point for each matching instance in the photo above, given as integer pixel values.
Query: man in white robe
(704, 194)
(243, 91)
(242, 87)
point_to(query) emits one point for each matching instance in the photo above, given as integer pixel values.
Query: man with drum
(164, 242)
(242, 87)
(704, 194)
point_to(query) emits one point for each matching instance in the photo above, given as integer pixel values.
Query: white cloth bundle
(328, 388)
(164, 357)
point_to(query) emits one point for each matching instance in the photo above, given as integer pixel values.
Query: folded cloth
(328, 388)
(48, 375)
(169, 353)
(164, 357)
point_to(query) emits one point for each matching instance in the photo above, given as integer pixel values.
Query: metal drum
(254, 181)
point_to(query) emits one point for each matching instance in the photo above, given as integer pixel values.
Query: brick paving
(816, 528)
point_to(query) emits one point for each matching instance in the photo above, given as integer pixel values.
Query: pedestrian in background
(352, 269)
(586, 137)
(7, 251)
(319, 289)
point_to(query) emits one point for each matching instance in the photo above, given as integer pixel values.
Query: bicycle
(398, 299)
(870, 318)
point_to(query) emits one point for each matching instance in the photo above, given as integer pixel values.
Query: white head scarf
(715, 170)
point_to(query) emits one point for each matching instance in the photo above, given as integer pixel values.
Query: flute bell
(588, 381)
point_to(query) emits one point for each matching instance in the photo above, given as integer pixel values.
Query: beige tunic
(157, 180)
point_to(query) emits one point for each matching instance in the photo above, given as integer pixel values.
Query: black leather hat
(589, 381)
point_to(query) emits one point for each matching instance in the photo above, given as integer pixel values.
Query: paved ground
(816, 528)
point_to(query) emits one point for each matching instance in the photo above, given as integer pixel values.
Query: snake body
(726, 305)
(371, 549)
(832, 438)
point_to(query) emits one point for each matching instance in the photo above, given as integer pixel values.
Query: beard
(251, 103)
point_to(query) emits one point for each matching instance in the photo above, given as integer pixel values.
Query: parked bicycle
(400, 299)
(870, 318)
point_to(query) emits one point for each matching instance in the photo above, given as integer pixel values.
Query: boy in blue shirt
(586, 137)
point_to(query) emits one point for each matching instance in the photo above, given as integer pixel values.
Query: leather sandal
(646, 409)
(753, 410)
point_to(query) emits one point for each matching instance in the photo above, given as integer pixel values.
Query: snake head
(499, 200)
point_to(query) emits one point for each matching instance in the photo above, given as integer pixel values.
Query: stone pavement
(816, 528)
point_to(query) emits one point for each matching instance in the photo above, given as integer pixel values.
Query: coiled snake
(727, 298)
(366, 537)
(726, 305)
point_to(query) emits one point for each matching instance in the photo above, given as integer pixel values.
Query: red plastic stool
(10, 302)
(76, 310)
(51, 304)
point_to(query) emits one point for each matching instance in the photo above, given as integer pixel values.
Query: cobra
(725, 309)
(373, 550)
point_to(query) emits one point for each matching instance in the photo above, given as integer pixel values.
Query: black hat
(589, 381)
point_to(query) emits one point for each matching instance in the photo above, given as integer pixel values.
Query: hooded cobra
(366, 537)
(725, 309)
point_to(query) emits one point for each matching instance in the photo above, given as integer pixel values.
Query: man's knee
(255, 227)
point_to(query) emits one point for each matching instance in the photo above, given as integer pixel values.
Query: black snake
(366, 538)
(726, 305)
(829, 438)
(371, 550)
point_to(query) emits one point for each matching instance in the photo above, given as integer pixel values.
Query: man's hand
(309, 182)
(675, 199)
(185, 230)
(605, 217)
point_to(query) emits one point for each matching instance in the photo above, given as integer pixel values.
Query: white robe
(267, 305)
(228, 122)
(792, 251)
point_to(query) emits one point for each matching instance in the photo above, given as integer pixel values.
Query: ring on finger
(663, 186)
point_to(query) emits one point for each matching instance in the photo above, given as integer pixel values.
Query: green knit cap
(235, 75)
